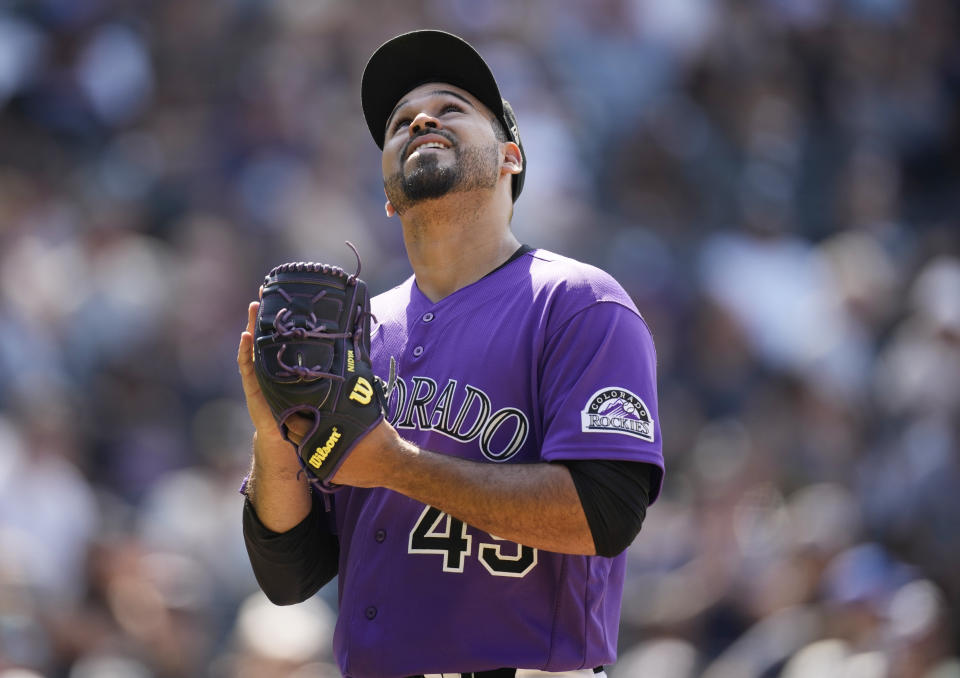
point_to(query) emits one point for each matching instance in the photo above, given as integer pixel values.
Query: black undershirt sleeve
(291, 566)
(614, 496)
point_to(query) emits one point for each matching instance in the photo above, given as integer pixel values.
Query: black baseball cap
(412, 59)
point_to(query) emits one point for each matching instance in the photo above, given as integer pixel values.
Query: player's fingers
(245, 350)
(245, 357)
(260, 412)
(252, 310)
(251, 387)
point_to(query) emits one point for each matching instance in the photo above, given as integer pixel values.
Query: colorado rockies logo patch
(616, 410)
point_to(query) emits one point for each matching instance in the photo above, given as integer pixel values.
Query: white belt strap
(579, 673)
(533, 673)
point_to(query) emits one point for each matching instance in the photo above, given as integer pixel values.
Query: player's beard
(474, 167)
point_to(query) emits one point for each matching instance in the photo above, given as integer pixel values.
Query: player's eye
(450, 107)
(398, 123)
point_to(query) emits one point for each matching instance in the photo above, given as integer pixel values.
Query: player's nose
(423, 121)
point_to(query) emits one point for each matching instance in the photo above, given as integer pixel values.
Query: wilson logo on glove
(313, 328)
(322, 453)
(362, 391)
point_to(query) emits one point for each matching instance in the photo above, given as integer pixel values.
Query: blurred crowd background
(776, 182)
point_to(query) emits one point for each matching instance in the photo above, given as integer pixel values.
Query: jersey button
(418, 351)
(380, 536)
(427, 317)
(371, 612)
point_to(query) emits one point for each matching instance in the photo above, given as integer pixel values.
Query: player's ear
(512, 159)
(388, 206)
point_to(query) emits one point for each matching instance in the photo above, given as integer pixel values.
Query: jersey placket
(419, 346)
(420, 333)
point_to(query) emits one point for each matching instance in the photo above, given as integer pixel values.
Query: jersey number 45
(455, 545)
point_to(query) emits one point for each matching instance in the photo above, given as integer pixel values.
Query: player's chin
(428, 184)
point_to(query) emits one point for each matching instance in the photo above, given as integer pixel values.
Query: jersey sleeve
(598, 389)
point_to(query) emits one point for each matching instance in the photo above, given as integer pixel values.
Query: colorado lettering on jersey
(462, 414)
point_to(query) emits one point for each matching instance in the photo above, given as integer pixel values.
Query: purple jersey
(544, 359)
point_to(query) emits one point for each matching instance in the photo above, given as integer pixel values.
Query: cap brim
(415, 58)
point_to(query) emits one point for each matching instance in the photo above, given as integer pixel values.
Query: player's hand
(369, 463)
(268, 444)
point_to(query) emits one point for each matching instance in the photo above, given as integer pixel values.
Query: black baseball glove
(312, 358)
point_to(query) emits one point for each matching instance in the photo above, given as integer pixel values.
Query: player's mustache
(440, 133)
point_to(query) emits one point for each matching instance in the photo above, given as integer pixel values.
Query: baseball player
(481, 527)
